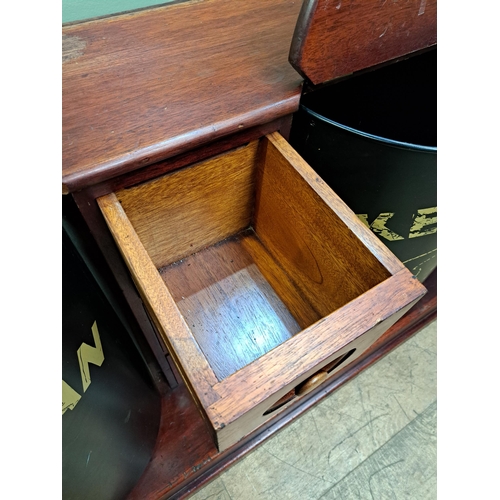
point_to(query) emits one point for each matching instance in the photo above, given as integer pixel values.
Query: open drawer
(260, 280)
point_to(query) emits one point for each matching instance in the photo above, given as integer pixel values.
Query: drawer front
(260, 280)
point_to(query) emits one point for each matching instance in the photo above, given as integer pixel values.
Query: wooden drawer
(261, 281)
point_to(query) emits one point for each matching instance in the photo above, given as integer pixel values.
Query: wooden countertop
(142, 87)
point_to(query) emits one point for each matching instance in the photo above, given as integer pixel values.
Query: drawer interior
(232, 310)
(250, 253)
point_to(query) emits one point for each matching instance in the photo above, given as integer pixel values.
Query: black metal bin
(111, 405)
(373, 139)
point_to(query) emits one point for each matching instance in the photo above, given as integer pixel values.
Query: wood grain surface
(192, 157)
(153, 84)
(328, 197)
(221, 299)
(110, 85)
(189, 209)
(231, 309)
(329, 265)
(336, 38)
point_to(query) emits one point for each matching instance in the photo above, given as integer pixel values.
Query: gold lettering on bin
(70, 397)
(378, 226)
(86, 354)
(425, 217)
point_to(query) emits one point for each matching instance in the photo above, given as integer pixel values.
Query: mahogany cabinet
(185, 109)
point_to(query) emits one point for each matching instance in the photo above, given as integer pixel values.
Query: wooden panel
(231, 309)
(301, 309)
(187, 210)
(153, 84)
(330, 199)
(192, 157)
(314, 246)
(336, 38)
(180, 342)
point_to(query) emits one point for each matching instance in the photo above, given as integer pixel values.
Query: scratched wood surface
(153, 84)
(336, 38)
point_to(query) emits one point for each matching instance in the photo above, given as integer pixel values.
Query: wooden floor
(374, 438)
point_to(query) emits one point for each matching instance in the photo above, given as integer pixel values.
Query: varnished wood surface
(300, 308)
(185, 458)
(192, 157)
(356, 229)
(83, 173)
(322, 249)
(146, 86)
(247, 394)
(303, 232)
(231, 309)
(336, 38)
(189, 209)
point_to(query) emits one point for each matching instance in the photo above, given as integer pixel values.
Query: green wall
(78, 10)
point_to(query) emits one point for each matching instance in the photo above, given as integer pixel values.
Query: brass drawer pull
(302, 389)
(311, 383)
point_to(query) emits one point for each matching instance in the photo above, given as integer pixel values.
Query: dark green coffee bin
(110, 403)
(373, 139)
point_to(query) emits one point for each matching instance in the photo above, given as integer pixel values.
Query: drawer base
(211, 286)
